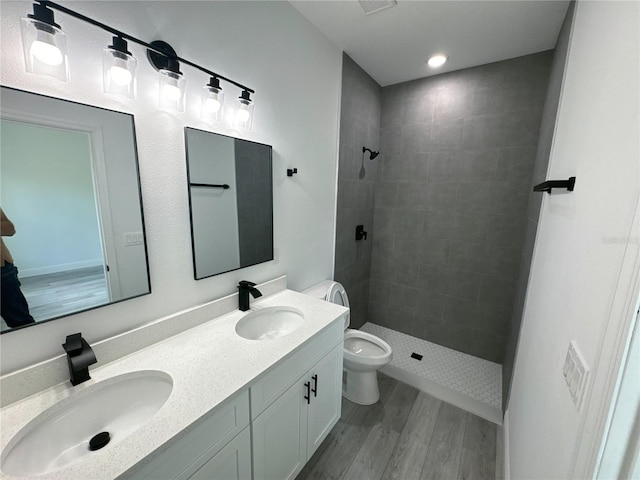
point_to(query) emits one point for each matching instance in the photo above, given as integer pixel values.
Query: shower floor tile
(465, 381)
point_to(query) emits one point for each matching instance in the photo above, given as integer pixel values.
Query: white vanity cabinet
(294, 406)
(216, 447)
(287, 432)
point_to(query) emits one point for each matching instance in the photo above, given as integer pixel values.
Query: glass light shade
(172, 90)
(45, 49)
(212, 103)
(119, 73)
(243, 117)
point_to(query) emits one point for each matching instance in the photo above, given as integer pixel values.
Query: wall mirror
(230, 202)
(69, 183)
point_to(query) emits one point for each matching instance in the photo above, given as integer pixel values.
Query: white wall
(47, 192)
(296, 73)
(580, 247)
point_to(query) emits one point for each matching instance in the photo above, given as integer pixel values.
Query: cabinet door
(326, 402)
(280, 436)
(233, 462)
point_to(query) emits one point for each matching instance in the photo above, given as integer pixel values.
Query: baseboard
(63, 267)
(505, 436)
(445, 394)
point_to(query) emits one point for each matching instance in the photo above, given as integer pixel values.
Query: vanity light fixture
(244, 111)
(119, 69)
(437, 60)
(45, 52)
(212, 101)
(44, 44)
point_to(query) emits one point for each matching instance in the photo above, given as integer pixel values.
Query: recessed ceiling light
(437, 60)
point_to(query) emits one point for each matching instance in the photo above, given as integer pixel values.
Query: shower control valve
(360, 233)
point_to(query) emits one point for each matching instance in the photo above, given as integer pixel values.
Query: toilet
(364, 353)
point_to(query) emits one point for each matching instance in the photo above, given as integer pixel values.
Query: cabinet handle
(315, 385)
(307, 397)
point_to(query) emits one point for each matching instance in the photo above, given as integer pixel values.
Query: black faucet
(244, 289)
(79, 357)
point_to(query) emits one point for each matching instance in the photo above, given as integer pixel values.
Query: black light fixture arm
(126, 36)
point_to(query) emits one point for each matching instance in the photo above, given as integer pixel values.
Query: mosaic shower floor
(465, 381)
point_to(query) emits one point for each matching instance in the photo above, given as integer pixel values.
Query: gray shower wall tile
(346, 253)
(506, 230)
(411, 195)
(475, 197)
(488, 346)
(497, 291)
(446, 134)
(453, 101)
(408, 168)
(511, 198)
(477, 165)
(521, 128)
(390, 140)
(418, 106)
(386, 194)
(455, 225)
(516, 164)
(434, 251)
(483, 131)
(409, 221)
(404, 296)
(464, 285)
(441, 196)
(414, 139)
(458, 148)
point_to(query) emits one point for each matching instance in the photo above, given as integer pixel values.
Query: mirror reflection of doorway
(49, 187)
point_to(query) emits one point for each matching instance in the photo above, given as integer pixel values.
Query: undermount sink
(61, 435)
(268, 323)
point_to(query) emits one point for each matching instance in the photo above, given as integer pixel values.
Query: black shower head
(372, 154)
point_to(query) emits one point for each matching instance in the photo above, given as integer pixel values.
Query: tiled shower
(448, 204)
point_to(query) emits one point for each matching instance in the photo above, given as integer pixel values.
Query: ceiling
(393, 45)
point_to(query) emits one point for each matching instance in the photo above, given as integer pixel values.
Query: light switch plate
(576, 374)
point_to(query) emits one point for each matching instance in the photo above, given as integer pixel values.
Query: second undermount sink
(268, 323)
(67, 432)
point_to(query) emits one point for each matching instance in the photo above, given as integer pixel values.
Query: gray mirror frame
(193, 249)
(143, 226)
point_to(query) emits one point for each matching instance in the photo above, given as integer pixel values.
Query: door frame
(100, 186)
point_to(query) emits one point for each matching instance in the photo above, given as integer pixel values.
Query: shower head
(372, 154)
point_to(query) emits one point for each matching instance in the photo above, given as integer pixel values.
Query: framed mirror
(70, 192)
(230, 202)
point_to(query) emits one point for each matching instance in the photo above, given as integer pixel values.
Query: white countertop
(208, 364)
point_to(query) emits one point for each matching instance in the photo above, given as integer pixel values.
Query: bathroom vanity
(238, 408)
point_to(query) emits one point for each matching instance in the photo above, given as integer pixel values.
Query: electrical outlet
(576, 373)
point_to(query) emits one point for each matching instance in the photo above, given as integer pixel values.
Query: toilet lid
(338, 295)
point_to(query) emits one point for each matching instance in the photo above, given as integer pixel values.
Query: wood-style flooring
(407, 435)
(57, 294)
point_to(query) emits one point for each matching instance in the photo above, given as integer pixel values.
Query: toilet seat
(364, 344)
(363, 351)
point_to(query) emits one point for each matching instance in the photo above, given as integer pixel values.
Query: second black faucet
(244, 289)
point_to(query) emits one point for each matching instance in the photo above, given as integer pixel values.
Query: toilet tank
(321, 291)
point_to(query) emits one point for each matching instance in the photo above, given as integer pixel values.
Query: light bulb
(437, 60)
(120, 75)
(45, 52)
(242, 115)
(171, 92)
(212, 105)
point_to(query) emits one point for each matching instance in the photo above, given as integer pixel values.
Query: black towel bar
(551, 184)
(210, 185)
